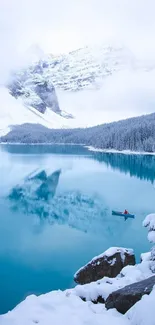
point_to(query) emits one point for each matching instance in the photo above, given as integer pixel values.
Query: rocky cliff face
(34, 91)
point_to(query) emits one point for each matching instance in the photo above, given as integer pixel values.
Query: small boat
(121, 214)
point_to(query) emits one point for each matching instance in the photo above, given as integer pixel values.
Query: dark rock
(99, 300)
(123, 299)
(38, 68)
(35, 91)
(108, 264)
(48, 95)
(41, 107)
(16, 88)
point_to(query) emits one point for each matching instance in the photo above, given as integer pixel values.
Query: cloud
(124, 94)
(64, 25)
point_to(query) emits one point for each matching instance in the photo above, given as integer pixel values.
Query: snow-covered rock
(101, 289)
(109, 264)
(123, 299)
(143, 312)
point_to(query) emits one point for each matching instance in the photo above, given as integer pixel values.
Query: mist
(124, 94)
(62, 26)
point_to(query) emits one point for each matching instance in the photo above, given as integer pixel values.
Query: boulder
(109, 264)
(123, 299)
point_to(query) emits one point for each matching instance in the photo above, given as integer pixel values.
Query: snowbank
(66, 307)
(125, 152)
(61, 308)
(146, 256)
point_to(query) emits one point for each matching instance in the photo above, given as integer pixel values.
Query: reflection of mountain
(37, 196)
(37, 186)
(141, 166)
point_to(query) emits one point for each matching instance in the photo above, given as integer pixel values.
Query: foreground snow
(63, 308)
(67, 307)
(59, 308)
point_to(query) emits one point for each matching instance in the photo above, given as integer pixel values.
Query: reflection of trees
(141, 166)
(47, 149)
(37, 196)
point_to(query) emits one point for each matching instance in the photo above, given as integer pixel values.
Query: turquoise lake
(55, 213)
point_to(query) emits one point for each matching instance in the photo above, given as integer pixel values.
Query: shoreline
(124, 152)
(42, 144)
(90, 148)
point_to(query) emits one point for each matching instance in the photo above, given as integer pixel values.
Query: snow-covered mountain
(37, 87)
(84, 68)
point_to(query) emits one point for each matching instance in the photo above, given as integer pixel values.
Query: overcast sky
(62, 25)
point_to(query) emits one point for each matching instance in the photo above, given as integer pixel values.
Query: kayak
(117, 213)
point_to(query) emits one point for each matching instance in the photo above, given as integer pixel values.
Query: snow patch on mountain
(14, 112)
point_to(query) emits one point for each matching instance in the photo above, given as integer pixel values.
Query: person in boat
(126, 212)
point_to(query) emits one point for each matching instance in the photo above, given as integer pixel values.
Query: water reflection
(125, 217)
(46, 149)
(37, 196)
(141, 166)
(56, 214)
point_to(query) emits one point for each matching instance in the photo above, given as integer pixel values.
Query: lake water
(55, 213)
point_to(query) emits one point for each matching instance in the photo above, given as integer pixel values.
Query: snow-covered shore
(60, 308)
(93, 149)
(66, 307)
(125, 152)
(75, 306)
